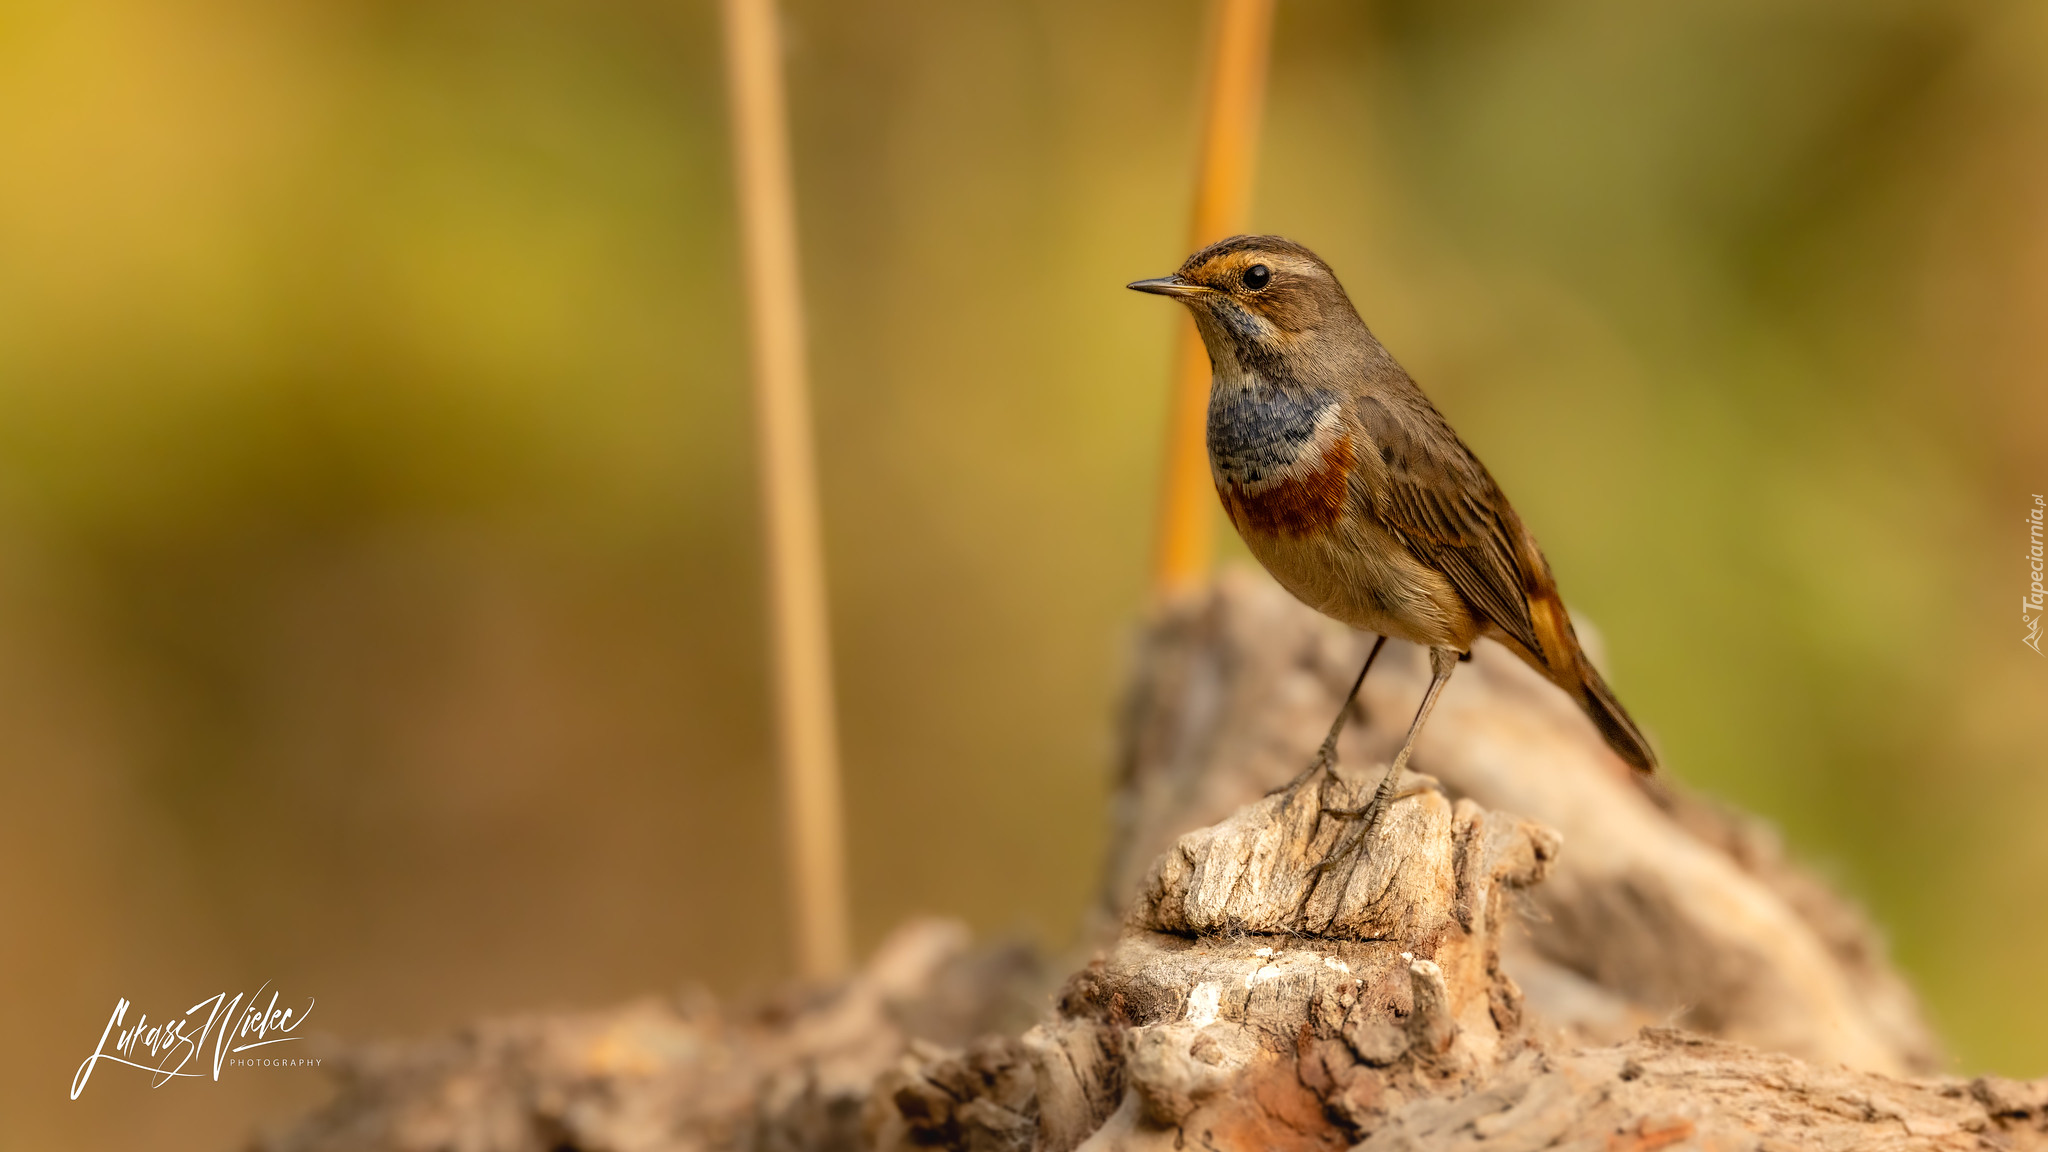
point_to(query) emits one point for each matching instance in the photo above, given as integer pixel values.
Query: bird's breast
(1281, 458)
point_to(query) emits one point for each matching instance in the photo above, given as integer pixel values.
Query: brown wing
(1437, 497)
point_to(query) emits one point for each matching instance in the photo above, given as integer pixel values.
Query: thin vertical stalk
(807, 740)
(1233, 97)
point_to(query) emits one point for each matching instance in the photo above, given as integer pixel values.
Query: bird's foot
(1351, 847)
(1325, 762)
(1348, 851)
(1385, 800)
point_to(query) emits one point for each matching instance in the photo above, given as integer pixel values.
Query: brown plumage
(1355, 493)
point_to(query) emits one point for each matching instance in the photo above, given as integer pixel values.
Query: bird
(1354, 492)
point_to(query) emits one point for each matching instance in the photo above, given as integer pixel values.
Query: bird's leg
(1442, 662)
(1326, 756)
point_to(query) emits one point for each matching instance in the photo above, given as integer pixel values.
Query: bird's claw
(1324, 762)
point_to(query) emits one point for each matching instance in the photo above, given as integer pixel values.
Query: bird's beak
(1170, 286)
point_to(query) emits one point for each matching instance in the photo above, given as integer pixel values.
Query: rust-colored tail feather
(1564, 661)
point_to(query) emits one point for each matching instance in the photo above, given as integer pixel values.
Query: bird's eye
(1257, 276)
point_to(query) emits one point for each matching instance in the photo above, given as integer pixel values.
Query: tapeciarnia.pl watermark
(2036, 599)
(165, 1050)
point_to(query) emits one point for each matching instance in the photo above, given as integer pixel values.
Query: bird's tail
(1612, 719)
(1567, 666)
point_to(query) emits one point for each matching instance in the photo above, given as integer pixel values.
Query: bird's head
(1262, 301)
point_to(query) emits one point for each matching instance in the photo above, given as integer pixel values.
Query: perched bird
(1354, 492)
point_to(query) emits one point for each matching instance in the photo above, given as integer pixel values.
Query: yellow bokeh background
(379, 581)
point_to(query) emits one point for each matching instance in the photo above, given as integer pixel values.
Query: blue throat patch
(1258, 431)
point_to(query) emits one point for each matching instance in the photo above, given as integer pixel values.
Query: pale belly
(1361, 575)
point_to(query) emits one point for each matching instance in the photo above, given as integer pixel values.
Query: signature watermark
(2036, 600)
(166, 1050)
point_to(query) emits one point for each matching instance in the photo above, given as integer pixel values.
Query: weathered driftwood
(1245, 1005)
(1662, 909)
(1267, 985)
(791, 1071)
(1256, 999)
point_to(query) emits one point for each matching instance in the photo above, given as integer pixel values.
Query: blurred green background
(379, 607)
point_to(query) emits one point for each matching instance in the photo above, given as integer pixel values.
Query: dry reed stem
(1234, 94)
(807, 742)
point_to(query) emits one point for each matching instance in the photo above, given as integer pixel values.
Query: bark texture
(1662, 909)
(1532, 951)
(790, 1071)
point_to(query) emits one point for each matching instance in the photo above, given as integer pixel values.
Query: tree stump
(1663, 909)
(1532, 951)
